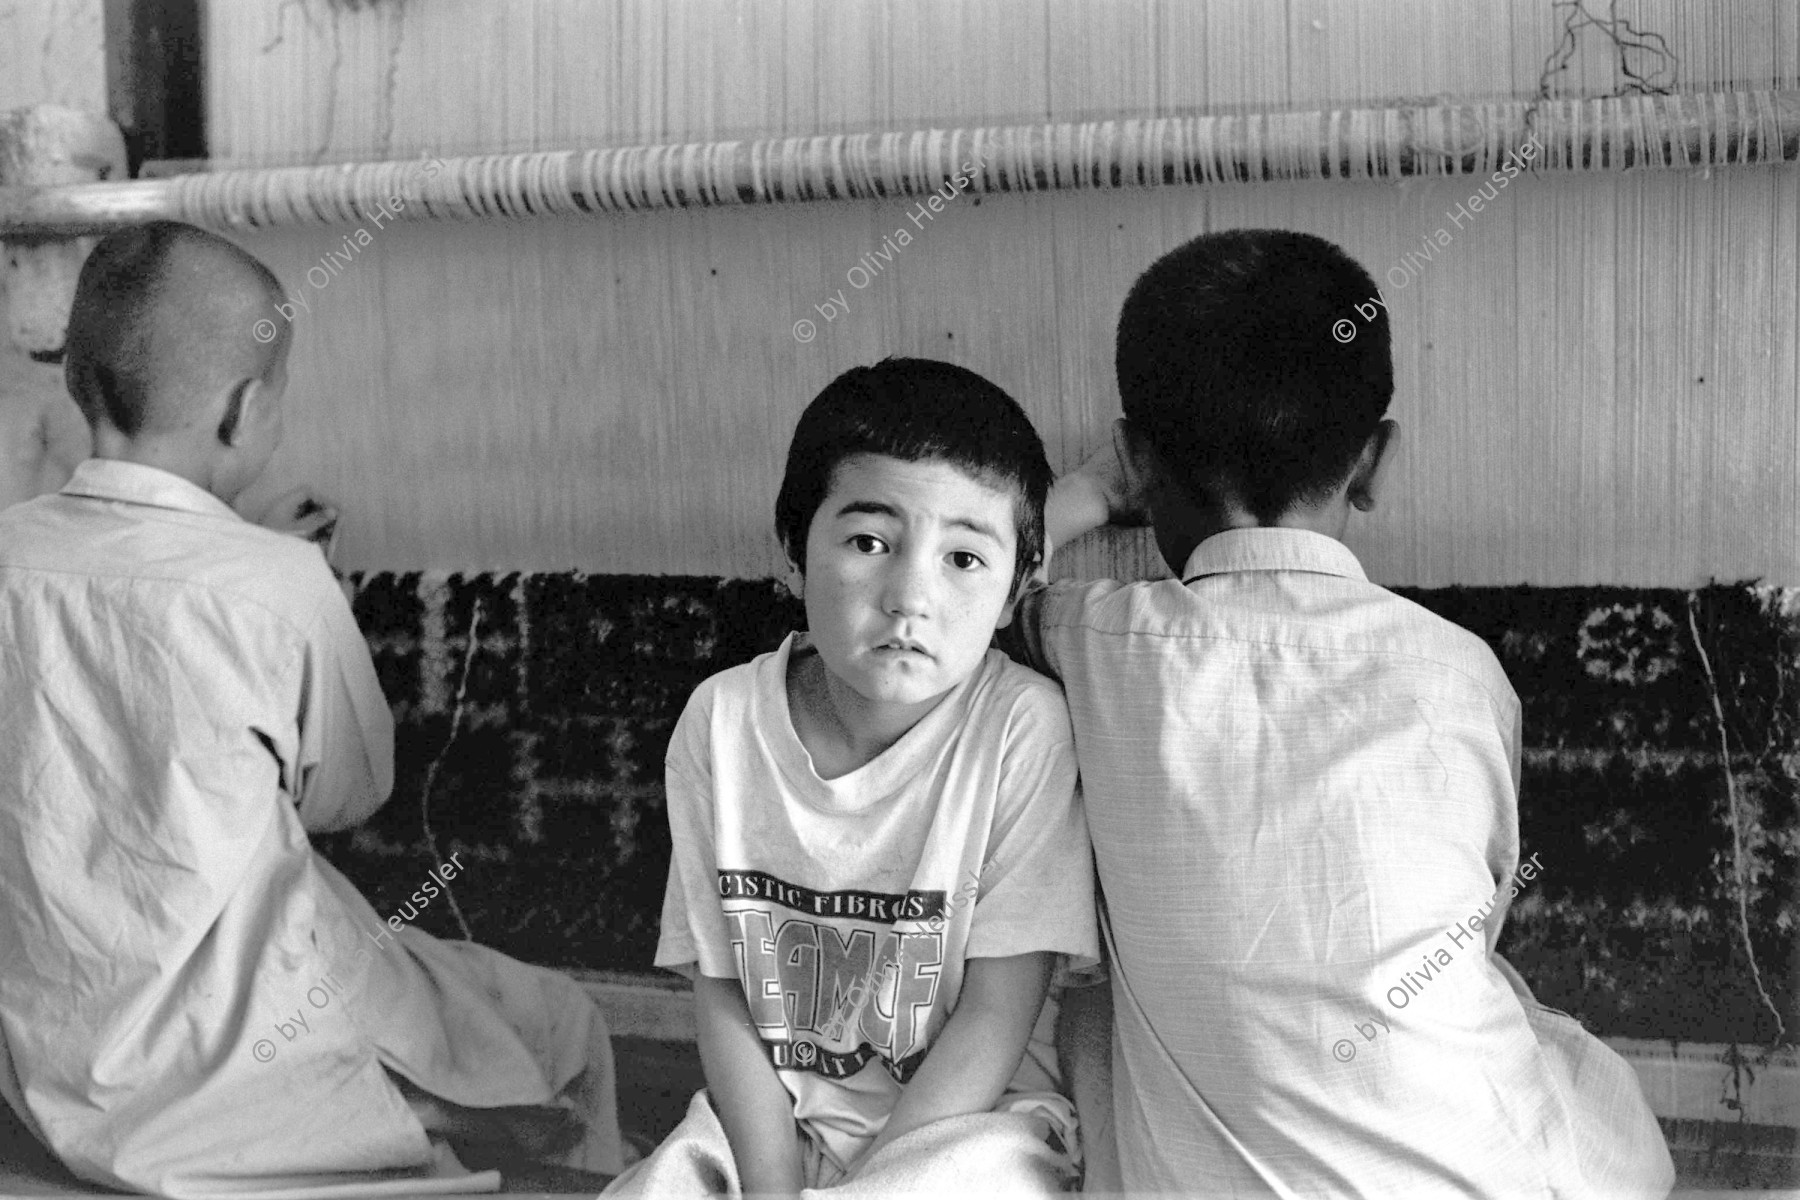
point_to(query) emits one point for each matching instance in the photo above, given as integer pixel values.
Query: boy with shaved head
(186, 697)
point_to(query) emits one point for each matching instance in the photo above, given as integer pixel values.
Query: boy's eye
(867, 543)
(964, 560)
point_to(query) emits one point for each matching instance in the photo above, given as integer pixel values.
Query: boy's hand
(493, 1137)
(1111, 472)
(752, 1104)
(967, 1068)
(301, 513)
(1106, 489)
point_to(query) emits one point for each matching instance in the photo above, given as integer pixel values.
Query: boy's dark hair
(915, 409)
(1231, 360)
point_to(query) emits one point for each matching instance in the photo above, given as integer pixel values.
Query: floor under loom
(657, 1078)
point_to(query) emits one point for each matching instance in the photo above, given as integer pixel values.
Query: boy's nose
(907, 590)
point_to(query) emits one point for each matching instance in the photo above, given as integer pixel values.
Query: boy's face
(909, 568)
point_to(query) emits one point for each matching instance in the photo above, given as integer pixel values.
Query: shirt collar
(135, 483)
(1270, 548)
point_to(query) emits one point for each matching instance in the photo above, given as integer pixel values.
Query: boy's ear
(1012, 602)
(796, 579)
(1132, 446)
(237, 404)
(1378, 451)
(1143, 466)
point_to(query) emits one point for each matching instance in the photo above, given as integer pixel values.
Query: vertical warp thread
(434, 595)
(530, 816)
(1737, 841)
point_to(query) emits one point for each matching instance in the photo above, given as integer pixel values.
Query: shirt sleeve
(694, 938)
(1072, 972)
(1037, 885)
(1044, 618)
(345, 769)
(1504, 848)
(1511, 731)
(1022, 638)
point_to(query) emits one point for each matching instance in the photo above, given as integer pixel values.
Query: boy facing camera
(878, 847)
(187, 695)
(1301, 788)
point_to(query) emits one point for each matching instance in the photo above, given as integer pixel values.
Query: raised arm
(752, 1104)
(1106, 489)
(974, 1057)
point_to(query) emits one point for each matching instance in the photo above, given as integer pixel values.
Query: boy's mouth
(902, 646)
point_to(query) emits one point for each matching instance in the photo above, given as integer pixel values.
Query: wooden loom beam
(1618, 133)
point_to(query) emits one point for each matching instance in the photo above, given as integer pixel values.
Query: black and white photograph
(858, 598)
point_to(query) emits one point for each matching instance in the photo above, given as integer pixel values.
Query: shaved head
(162, 323)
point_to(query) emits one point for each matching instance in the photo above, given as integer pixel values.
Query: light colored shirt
(849, 907)
(191, 999)
(1302, 795)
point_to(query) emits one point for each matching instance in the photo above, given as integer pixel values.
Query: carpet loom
(552, 395)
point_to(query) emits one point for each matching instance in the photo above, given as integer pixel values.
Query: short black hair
(1231, 361)
(915, 409)
(162, 311)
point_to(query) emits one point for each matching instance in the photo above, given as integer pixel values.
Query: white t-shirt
(847, 907)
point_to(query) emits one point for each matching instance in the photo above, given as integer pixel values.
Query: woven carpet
(534, 750)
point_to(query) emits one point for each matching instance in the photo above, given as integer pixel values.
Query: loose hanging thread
(1624, 36)
(1737, 841)
(431, 772)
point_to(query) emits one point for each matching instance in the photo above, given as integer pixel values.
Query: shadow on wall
(551, 788)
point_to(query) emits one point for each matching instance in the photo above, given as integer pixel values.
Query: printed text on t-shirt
(843, 957)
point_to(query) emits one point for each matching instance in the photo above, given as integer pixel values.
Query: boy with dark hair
(1301, 789)
(878, 846)
(193, 1002)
